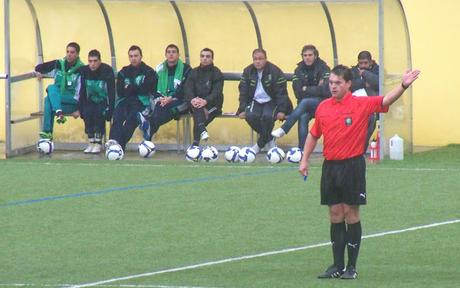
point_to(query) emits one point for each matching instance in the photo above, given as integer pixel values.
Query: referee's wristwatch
(404, 86)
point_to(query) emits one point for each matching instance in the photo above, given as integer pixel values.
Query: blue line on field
(138, 187)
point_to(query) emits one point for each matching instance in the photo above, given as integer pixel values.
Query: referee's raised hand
(409, 77)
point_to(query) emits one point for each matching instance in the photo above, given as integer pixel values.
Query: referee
(343, 119)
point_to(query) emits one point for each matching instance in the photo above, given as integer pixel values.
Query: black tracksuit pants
(125, 120)
(261, 118)
(92, 114)
(201, 119)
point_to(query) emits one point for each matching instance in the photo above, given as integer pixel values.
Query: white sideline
(211, 263)
(119, 285)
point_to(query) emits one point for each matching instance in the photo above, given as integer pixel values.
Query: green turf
(131, 217)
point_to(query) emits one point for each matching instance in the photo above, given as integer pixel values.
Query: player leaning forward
(342, 120)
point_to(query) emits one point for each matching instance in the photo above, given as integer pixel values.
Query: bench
(185, 123)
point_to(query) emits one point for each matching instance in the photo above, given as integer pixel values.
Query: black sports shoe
(350, 273)
(331, 272)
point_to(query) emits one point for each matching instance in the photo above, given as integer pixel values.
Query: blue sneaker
(144, 125)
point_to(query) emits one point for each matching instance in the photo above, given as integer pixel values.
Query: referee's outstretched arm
(408, 78)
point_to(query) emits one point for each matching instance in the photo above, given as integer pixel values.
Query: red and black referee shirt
(344, 124)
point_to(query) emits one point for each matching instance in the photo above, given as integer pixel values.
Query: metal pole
(38, 41)
(381, 75)
(409, 66)
(332, 31)
(6, 11)
(185, 120)
(256, 24)
(110, 34)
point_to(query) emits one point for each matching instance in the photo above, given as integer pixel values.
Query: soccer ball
(294, 155)
(209, 154)
(114, 152)
(247, 155)
(275, 155)
(146, 149)
(193, 153)
(45, 146)
(232, 154)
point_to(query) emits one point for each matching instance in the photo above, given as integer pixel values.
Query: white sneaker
(96, 148)
(109, 143)
(278, 133)
(204, 136)
(89, 148)
(256, 148)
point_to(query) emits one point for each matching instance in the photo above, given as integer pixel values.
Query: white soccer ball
(193, 153)
(247, 155)
(209, 154)
(232, 154)
(45, 146)
(275, 155)
(114, 152)
(146, 149)
(294, 155)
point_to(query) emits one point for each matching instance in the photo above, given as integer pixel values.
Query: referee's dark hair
(342, 71)
(95, 53)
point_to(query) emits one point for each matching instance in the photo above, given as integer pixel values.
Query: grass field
(168, 223)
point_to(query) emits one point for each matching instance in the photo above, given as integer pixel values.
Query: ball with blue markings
(247, 155)
(275, 155)
(294, 155)
(209, 154)
(114, 152)
(146, 149)
(193, 153)
(232, 154)
(45, 146)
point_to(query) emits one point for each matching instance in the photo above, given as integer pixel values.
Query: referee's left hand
(409, 77)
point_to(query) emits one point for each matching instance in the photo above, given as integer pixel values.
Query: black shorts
(344, 181)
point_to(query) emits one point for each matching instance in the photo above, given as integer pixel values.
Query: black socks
(353, 242)
(349, 236)
(338, 240)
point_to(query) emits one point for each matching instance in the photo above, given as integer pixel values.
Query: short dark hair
(94, 53)
(172, 46)
(134, 48)
(208, 50)
(310, 47)
(259, 50)
(342, 71)
(75, 46)
(365, 55)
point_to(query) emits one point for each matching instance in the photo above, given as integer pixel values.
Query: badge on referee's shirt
(348, 121)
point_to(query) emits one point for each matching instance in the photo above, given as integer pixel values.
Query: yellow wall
(433, 27)
(227, 28)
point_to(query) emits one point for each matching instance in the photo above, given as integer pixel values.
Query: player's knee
(251, 118)
(336, 214)
(351, 215)
(266, 119)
